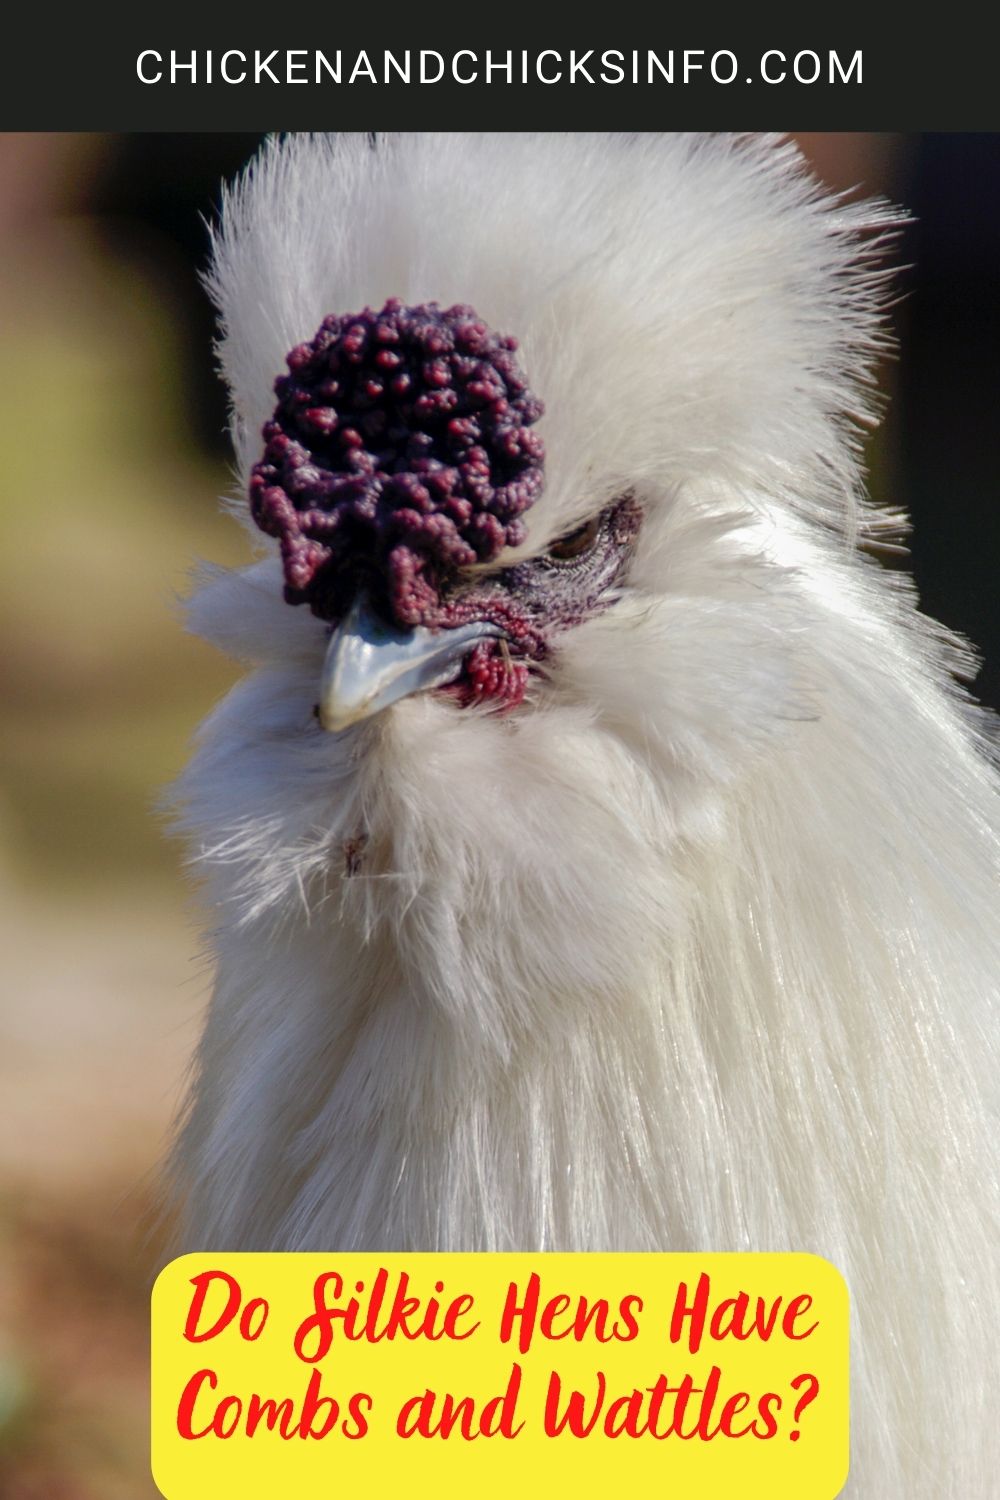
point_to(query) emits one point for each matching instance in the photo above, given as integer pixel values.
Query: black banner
(160, 70)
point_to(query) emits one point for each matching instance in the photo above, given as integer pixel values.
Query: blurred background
(113, 425)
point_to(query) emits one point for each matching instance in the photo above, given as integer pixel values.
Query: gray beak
(370, 665)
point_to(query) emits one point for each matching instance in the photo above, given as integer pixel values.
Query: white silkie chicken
(603, 854)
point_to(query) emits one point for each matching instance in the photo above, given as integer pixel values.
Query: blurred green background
(112, 471)
(111, 425)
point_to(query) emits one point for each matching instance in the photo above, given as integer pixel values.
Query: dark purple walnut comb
(400, 450)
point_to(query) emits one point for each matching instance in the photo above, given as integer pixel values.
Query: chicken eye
(577, 542)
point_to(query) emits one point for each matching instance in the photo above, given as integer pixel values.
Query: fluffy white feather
(698, 949)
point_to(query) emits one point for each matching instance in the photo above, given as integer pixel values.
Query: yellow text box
(683, 1375)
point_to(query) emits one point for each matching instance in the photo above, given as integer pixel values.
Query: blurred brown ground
(106, 501)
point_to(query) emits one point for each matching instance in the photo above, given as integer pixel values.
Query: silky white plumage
(698, 949)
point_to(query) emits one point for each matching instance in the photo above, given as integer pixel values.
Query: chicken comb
(401, 449)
